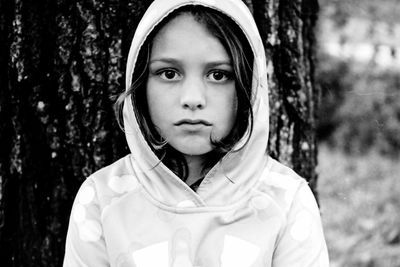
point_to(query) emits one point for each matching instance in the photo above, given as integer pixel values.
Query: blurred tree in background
(62, 62)
(358, 72)
(359, 75)
(360, 109)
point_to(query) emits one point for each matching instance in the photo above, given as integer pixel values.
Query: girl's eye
(220, 76)
(170, 75)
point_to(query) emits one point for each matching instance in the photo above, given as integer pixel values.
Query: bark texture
(61, 63)
(287, 28)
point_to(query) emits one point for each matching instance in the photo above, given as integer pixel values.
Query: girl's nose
(193, 94)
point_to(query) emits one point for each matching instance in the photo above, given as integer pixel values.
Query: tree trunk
(287, 28)
(61, 63)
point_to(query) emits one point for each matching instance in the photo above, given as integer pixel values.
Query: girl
(198, 188)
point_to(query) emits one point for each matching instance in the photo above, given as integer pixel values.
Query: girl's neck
(195, 167)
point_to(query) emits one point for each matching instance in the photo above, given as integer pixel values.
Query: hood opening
(235, 42)
(233, 175)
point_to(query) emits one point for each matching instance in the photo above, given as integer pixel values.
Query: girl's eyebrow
(210, 64)
(164, 60)
(220, 63)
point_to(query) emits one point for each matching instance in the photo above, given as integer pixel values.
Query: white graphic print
(181, 248)
(122, 184)
(86, 195)
(152, 256)
(186, 204)
(89, 230)
(238, 252)
(302, 227)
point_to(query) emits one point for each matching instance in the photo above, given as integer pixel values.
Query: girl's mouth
(193, 122)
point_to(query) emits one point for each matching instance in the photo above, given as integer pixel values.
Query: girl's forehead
(174, 23)
(184, 36)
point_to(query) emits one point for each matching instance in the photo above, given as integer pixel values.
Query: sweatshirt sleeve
(85, 245)
(301, 242)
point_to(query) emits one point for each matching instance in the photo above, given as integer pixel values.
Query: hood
(236, 173)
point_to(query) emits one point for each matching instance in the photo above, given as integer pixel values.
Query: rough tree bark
(287, 28)
(60, 64)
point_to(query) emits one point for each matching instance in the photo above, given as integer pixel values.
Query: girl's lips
(192, 122)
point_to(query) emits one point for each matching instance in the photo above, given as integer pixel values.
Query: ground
(360, 206)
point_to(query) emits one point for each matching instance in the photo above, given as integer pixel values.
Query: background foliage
(360, 83)
(359, 131)
(360, 107)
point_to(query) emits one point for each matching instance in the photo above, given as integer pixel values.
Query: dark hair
(235, 42)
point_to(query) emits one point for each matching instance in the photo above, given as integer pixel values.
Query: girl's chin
(193, 149)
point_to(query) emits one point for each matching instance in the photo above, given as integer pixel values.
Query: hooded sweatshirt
(249, 210)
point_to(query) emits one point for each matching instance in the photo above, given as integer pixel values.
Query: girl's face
(190, 89)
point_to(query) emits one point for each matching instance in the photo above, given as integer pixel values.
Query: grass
(360, 204)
